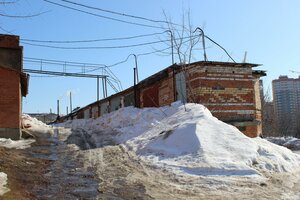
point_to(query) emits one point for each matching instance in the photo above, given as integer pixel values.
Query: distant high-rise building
(286, 96)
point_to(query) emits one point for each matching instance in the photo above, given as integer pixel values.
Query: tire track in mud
(66, 177)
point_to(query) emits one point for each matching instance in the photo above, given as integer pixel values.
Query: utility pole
(134, 86)
(98, 88)
(70, 102)
(58, 108)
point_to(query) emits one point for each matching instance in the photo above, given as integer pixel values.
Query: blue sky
(268, 30)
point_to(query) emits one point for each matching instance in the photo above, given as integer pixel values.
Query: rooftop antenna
(245, 57)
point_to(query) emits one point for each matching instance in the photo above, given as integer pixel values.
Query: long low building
(229, 90)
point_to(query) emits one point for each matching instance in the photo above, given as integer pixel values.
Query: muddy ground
(68, 165)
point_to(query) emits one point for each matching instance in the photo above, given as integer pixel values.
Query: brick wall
(10, 98)
(251, 131)
(166, 92)
(229, 92)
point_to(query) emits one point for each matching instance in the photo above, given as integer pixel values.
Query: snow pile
(188, 139)
(289, 142)
(33, 123)
(3, 182)
(15, 144)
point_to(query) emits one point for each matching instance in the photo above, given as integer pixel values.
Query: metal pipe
(136, 67)
(98, 88)
(70, 102)
(171, 45)
(105, 83)
(134, 85)
(203, 42)
(58, 108)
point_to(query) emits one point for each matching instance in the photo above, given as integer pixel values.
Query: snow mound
(288, 142)
(3, 182)
(188, 139)
(15, 144)
(33, 123)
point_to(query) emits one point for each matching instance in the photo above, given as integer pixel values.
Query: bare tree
(268, 116)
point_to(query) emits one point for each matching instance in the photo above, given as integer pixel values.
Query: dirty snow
(187, 139)
(3, 182)
(288, 142)
(15, 144)
(34, 124)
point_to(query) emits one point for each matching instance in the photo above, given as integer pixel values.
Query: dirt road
(69, 165)
(50, 169)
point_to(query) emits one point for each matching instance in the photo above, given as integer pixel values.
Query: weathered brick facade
(9, 101)
(229, 90)
(13, 84)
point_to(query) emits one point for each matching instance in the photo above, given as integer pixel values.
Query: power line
(141, 54)
(8, 2)
(102, 16)
(220, 47)
(100, 47)
(92, 40)
(117, 13)
(6, 31)
(105, 47)
(22, 16)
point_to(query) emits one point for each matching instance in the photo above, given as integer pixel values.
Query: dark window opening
(218, 87)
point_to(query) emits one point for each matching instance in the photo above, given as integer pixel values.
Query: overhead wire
(22, 16)
(118, 13)
(102, 16)
(220, 47)
(99, 47)
(91, 65)
(91, 40)
(103, 47)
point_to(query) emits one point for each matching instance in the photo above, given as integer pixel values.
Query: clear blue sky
(268, 30)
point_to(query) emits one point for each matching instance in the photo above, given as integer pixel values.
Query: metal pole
(171, 45)
(103, 88)
(98, 88)
(67, 110)
(203, 42)
(134, 85)
(136, 69)
(105, 84)
(70, 102)
(57, 108)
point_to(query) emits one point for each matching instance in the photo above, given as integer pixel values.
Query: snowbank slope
(188, 139)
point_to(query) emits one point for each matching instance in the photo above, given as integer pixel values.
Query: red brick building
(230, 91)
(13, 85)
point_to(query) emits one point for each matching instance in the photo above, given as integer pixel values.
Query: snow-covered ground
(3, 182)
(15, 144)
(178, 151)
(289, 142)
(187, 139)
(34, 125)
